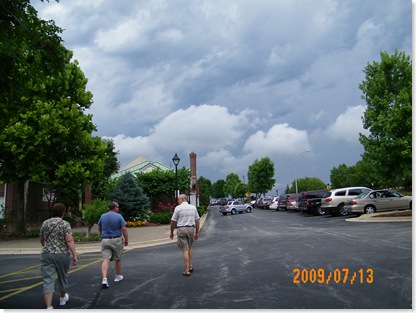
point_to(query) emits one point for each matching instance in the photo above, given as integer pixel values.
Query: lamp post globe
(176, 161)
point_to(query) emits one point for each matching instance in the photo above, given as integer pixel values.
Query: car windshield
(365, 192)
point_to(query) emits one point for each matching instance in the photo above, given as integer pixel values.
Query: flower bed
(137, 223)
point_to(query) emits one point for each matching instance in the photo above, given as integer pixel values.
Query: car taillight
(328, 199)
(227, 206)
(352, 202)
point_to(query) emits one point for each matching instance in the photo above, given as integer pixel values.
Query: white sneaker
(105, 283)
(50, 308)
(63, 300)
(118, 278)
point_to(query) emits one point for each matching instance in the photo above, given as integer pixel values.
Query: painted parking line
(20, 289)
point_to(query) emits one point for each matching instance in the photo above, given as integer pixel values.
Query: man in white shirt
(186, 219)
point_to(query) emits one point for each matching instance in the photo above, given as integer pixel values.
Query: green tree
(260, 176)
(93, 211)
(218, 189)
(341, 176)
(231, 181)
(240, 190)
(102, 184)
(387, 90)
(130, 197)
(46, 136)
(307, 183)
(204, 189)
(159, 185)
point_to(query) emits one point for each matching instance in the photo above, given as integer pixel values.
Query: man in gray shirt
(186, 219)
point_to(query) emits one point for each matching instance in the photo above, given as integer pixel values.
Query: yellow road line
(16, 291)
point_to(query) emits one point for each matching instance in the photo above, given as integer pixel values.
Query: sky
(233, 81)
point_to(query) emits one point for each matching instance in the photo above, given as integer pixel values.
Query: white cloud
(348, 125)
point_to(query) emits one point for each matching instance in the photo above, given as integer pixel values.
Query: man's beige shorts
(185, 238)
(112, 248)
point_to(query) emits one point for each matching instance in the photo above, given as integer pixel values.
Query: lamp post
(296, 180)
(176, 161)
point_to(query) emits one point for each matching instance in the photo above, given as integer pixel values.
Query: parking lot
(264, 259)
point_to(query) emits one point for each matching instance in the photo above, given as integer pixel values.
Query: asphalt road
(259, 260)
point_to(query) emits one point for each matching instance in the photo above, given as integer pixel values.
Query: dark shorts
(185, 238)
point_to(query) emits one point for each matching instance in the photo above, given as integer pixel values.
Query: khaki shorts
(185, 238)
(112, 248)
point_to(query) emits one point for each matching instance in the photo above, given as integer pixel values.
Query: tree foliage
(387, 90)
(204, 190)
(231, 182)
(158, 185)
(102, 184)
(307, 183)
(218, 189)
(129, 195)
(240, 190)
(46, 135)
(260, 176)
(93, 211)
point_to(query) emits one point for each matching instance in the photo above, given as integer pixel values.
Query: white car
(333, 201)
(274, 204)
(235, 206)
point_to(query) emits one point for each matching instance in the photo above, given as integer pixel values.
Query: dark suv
(282, 202)
(310, 201)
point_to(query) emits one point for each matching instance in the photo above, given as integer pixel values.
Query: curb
(372, 218)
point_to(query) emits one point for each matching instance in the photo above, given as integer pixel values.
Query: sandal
(186, 273)
(191, 269)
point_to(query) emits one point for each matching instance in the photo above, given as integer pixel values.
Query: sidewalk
(139, 237)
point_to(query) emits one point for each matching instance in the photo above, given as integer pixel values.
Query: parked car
(282, 202)
(378, 201)
(310, 201)
(292, 202)
(235, 206)
(264, 202)
(222, 202)
(274, 203)
(333, 201)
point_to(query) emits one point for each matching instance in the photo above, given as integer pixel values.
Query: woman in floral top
(58, 245)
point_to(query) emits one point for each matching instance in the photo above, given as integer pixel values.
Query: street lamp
(296, 180)
(176, 161)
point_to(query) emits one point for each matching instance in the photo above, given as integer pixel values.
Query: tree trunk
(21, 207)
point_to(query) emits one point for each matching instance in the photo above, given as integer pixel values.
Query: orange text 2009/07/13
(336, 276)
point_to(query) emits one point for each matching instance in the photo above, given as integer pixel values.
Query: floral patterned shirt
(53, 231)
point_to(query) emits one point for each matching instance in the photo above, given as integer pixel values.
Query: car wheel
(223, 213)
(342, 210)
(233, 211)
(370, 209)
(248, 210)
(319, 211)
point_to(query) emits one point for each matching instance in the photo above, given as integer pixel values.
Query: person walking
(186, 219)
(112, 226)
(57, 246)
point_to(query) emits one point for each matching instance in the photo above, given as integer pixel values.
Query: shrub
(33, 233)
(161, 218)
(79, 237)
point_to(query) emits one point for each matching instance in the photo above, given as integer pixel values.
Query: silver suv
(333, 201)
